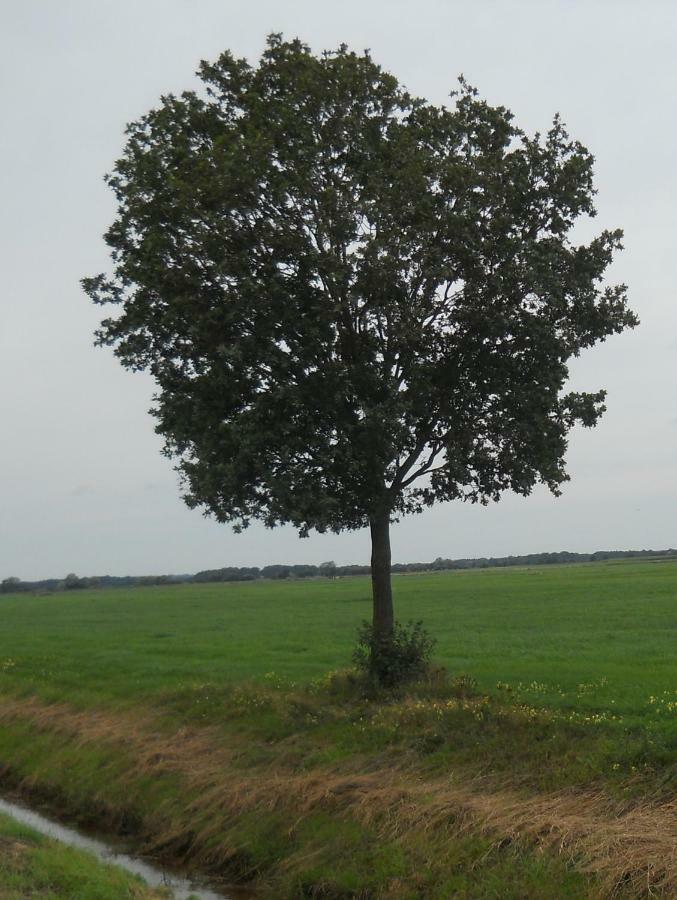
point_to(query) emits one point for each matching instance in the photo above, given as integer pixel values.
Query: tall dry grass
(627, 845)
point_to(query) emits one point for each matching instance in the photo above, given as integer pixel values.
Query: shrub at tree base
(398, 658)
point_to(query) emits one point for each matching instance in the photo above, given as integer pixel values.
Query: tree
(11, 585)
(328, 569)
(354, 303)
(71, 582)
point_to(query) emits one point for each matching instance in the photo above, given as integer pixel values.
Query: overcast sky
(83, 486)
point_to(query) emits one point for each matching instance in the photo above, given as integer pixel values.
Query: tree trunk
(380, 575)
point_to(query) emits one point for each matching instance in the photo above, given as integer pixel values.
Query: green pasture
(576, 689)
(598, 637)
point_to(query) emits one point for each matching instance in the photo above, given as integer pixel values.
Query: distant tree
(354, 303)
(10, 585)
(276, 571)
(304, 571)
(71, 582)
(328, 569)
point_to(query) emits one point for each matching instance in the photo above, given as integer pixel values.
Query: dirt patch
(625, 845)
(12, 851)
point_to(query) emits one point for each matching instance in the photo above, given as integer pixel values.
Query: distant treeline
(73, 582)
(327, 570)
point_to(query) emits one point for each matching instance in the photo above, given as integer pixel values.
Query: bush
(399, 658)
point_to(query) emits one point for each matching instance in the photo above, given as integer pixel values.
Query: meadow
(215, 723)
(601, 636)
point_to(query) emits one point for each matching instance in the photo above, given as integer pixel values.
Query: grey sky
(82, 484)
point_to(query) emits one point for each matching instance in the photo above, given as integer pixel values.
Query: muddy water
(181, 888)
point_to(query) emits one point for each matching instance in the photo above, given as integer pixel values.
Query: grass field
(603, 635)
(201, 719)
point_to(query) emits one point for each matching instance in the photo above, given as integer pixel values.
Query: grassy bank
(33, 866)
(201, 721)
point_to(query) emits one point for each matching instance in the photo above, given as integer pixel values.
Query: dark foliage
(354, 303)
(251, 573)
(394, 659)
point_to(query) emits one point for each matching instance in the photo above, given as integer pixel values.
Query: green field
(604, 635)
(572, 692)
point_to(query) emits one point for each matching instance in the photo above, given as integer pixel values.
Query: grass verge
(31, 866)
(324, 791)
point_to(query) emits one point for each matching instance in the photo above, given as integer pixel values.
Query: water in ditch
(154, 876)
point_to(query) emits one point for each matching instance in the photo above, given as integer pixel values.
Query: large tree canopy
(354, 303)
